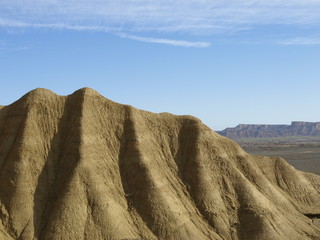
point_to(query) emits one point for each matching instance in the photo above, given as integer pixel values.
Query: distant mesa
(84, 167)
(272, 131)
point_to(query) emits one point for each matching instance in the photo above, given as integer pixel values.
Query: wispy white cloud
(166, 41)
(5, 46)
(189, 17)
(180, 43)
(13, 23)
(301, 41)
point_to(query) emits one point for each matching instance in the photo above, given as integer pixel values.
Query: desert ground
(301, 152)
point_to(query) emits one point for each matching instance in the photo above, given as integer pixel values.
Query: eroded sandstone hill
(84, 167)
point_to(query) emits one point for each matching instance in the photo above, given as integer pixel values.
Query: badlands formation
(84, 167)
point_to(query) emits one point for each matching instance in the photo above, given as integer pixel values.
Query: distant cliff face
(265, 131)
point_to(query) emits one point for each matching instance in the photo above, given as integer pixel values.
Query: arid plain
(301, 152)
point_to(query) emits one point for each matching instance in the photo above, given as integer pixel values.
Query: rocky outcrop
(84, 167)
(272, 131)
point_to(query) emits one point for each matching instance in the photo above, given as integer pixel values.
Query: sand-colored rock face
(84, 167)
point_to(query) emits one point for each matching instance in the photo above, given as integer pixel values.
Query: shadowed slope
(84, 167)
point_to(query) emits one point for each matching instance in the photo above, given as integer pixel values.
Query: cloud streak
(166, 41)
(180, 43)
(4, 46)
(301, 41)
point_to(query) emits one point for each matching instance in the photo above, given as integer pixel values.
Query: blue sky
(225, 62)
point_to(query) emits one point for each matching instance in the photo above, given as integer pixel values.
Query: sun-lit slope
(84, 167)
